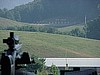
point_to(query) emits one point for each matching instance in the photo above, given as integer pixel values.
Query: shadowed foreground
(23, 73)
(18, 72)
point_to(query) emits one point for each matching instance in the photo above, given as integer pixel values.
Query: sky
(10, 4)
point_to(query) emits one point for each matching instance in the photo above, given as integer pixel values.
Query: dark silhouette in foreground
(18, 72)
(13, 57)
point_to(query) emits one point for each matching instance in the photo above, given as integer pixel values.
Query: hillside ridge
(47, 11)
(55, 45)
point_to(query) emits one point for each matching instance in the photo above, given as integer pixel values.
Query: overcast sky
(9, 4)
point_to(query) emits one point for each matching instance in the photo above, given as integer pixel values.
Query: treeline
(76, 32)
(47, 29)
(47, 11)
(93, 29)
(30, 28)
(90, 30)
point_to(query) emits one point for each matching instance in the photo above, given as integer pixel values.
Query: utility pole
(85, 20)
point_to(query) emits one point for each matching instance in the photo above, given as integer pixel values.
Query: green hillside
(7, 24)
(46, 11)
(54, 45)
(70, 28)
(4, 23)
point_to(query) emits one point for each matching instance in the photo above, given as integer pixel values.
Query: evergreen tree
(1, 13)
(10, 15)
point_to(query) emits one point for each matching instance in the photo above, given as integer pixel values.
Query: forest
(57, 14)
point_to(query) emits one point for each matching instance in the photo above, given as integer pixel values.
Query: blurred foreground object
(12, 57)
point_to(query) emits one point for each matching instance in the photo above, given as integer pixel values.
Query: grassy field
(54, 45)
(70, 28)
(5, 23)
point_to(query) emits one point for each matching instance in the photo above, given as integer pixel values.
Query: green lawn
(54, 45)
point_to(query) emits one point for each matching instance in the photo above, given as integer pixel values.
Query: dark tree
(93, 29)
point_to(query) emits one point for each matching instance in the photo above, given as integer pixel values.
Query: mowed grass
(54, 45)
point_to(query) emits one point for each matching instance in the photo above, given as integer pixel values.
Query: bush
(54, 70)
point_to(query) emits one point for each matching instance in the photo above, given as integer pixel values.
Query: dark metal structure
(84, 72)
(12, 57)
